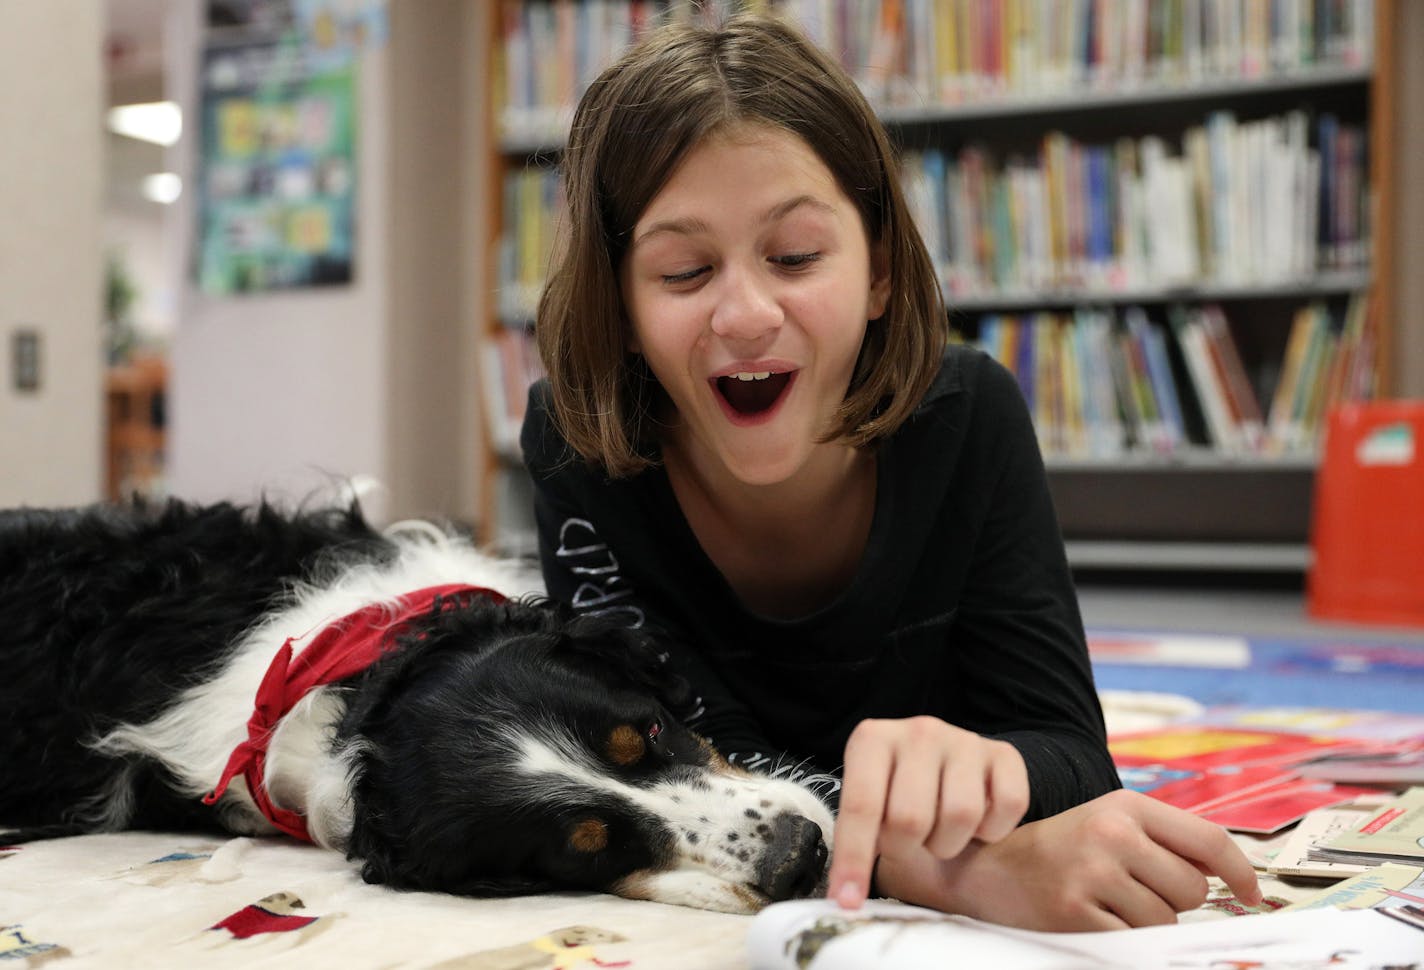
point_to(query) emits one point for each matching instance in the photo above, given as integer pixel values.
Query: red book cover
(1196, 748)
(1272, 809)
(1197, 791)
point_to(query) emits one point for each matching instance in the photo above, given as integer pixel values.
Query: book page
(1383, 886)
(1318, 827)
(1395, 832)
(818, 935)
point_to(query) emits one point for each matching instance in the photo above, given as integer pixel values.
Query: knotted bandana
(343, 648)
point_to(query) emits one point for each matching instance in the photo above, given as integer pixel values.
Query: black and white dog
(178, 666)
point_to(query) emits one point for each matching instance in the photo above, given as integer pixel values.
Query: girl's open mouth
(749, 395)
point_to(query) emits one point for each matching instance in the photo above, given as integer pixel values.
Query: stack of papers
(1293, 858)
(1246, 780)
(1392, 833)
(1394, 770)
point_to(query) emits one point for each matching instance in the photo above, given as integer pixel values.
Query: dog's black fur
(107, 614)
(111, 617)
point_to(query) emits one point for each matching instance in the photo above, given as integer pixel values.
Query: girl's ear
(879, 281)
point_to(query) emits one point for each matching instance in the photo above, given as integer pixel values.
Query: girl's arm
(1027, 740)
(1019, 637)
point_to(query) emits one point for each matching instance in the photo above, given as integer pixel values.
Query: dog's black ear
(636, 657)
(468, 628)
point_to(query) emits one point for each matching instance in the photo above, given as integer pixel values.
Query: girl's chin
(768, 464)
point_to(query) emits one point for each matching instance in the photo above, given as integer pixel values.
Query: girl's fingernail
(849, 896)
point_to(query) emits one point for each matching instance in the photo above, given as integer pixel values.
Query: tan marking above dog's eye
(590, 835)
(625, 745)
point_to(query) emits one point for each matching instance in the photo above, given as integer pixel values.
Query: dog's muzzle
(794, 863)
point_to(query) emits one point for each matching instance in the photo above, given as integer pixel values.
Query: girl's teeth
(748, 376)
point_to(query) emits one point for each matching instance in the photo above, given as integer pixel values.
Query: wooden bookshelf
(1322, 285)
(1198, 507)
(135, 417)
(1131, 97)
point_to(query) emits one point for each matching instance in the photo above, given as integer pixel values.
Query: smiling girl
(756, 438)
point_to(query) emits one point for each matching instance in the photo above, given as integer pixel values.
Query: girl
(755, 437)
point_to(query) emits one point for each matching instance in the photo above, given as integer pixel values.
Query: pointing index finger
(858, 830)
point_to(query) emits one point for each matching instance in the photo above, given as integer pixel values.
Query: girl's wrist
(923, 880)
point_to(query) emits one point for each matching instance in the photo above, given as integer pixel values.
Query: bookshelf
(1198, 110)
(135, 420)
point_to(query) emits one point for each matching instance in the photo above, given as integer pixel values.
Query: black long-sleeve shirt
(962, 606)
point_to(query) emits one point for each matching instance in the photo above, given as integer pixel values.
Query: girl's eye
(796, 260)
(654, 729)
(691, 274)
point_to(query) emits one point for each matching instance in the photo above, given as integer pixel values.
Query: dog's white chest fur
(305, 774)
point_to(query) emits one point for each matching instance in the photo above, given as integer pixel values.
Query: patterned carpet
(1363, 672)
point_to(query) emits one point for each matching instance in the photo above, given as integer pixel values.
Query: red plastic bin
(1367, 517)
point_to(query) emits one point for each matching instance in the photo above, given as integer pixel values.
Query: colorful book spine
(510, 364)
(1236, 205)
(917, 52)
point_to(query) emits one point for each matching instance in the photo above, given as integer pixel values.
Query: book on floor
(1392, 833)
(1246, 780)
(1386, 886)
(1271, 809)
(1397, 770)
(1318, 827)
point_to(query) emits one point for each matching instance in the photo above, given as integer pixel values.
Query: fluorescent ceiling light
(160, 122)
(162, 187)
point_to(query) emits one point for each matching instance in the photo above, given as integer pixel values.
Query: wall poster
(277, 167)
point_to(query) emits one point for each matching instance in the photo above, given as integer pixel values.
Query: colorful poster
(277, 171)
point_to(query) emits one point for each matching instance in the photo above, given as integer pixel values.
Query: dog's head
(508, 749)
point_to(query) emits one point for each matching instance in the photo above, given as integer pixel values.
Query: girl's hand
(920, 786)
(1121, 860)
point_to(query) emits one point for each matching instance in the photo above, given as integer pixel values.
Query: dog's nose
(795, 859)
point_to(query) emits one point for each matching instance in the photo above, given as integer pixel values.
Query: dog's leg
(684, 887)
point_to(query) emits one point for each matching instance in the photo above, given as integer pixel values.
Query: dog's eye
(654, 729)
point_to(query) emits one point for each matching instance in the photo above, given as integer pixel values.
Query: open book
(815, 934)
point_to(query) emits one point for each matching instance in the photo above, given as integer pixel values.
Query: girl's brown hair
(631, 129)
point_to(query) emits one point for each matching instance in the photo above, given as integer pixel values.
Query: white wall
(439, 264)
(138, 238)
(51, 99)
(282, 393)
(286, 394)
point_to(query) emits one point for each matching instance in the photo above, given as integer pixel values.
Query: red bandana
(345, 647)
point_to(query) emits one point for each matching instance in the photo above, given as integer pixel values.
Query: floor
(1243, 644)
(1241, 609)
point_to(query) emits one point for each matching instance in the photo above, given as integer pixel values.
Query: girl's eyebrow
(783, 209)
(691, 226)
(687, 226)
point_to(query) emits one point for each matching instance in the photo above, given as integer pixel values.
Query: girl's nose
(746, 309)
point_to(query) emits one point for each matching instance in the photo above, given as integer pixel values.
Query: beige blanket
(152, 900)
(148, 900)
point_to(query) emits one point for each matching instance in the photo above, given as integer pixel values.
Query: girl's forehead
(757, 137)
(742, 163)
